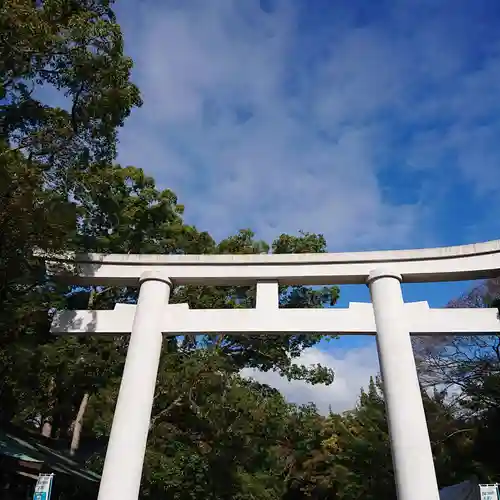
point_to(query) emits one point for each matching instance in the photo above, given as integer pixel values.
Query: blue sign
(43, 487)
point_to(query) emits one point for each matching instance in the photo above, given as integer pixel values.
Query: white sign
(43, 487)
(489, 491)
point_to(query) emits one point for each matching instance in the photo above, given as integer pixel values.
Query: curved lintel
(476, 261)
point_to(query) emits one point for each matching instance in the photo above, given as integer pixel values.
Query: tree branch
(166, 410)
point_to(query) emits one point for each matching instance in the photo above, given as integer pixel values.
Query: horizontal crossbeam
(466, 262)
(358, 319)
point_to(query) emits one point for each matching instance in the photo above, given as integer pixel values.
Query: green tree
(363, 463)
(268, 352)
(71, 53)
(213, 434)
(119, 210)
(50, 51)
(30, 216)
(73, 382)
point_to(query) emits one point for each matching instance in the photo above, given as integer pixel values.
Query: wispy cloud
(281, 116)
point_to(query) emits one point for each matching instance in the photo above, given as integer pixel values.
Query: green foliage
(75, 49)
(212, 431)
(64, 91)
(351, 457)
(221, 431)
(121, 211)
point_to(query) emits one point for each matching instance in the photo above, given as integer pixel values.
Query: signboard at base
(489, 491)
(43, 487)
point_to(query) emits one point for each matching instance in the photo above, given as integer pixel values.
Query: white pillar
(410, 444)
(121, 476)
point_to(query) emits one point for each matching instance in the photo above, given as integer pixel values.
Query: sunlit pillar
(121, 476)
(410, 444)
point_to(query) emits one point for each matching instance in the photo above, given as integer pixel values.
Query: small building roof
(31, 454)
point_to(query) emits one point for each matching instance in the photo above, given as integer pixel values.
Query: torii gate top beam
(466, 262)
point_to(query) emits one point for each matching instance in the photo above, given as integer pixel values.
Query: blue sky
(375, 123)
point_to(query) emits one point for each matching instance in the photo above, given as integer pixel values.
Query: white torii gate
(388, 317)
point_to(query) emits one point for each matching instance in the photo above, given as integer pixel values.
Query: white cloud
(240, 149)
(353, 369)
(254, 128)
